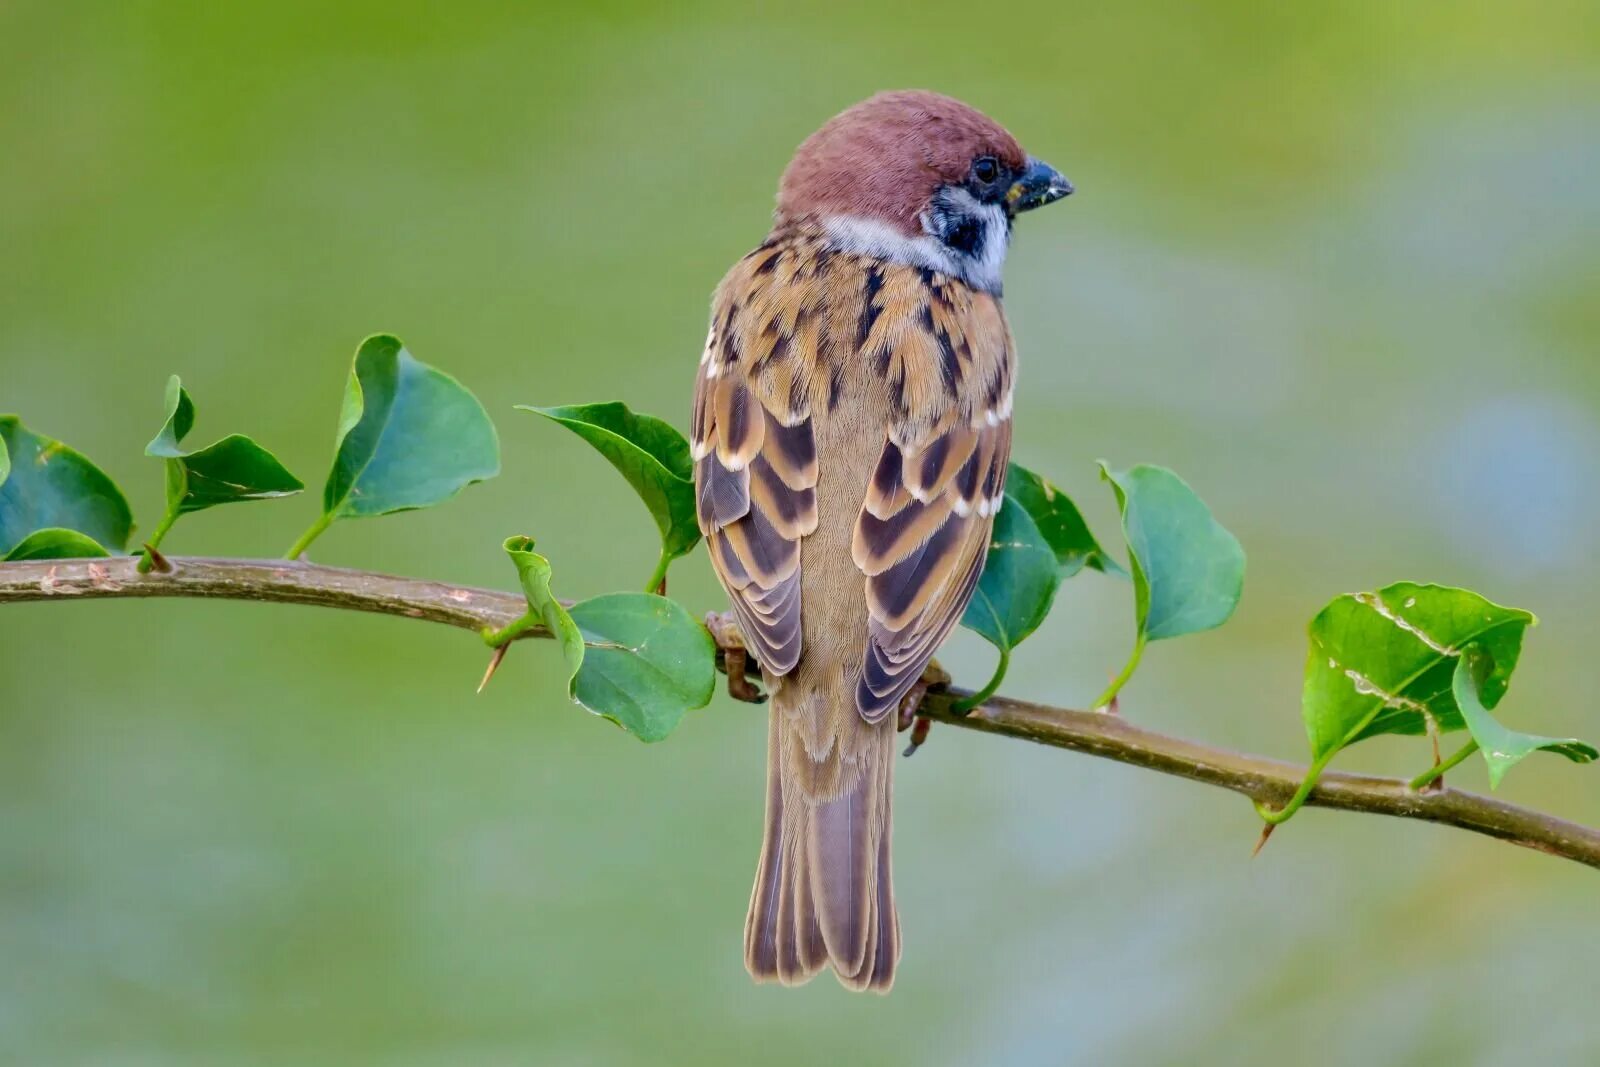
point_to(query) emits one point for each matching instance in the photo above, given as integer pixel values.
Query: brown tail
(823, 892)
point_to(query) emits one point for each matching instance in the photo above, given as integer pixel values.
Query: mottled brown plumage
(851, 432)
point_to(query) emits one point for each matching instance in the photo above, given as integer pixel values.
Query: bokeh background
(1336, 263)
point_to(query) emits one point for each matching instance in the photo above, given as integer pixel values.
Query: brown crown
(884, 157)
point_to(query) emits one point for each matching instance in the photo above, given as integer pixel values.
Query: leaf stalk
(145, 559)
(658, 578)
(504, 635)
(1433, 774)
(298, 549)
(992, 686)
(1105, 699)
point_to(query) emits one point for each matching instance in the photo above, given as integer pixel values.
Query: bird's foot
(933, 677)
(740, 687)
(724, 628)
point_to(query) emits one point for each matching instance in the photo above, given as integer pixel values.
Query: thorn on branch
(1115, 706)
(1261, 842)
(158, 563)
(1437, 784)
(495, 659)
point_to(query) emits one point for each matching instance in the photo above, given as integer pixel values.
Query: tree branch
(1095, 733)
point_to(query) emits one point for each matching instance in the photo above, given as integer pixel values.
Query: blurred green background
(1336, 263)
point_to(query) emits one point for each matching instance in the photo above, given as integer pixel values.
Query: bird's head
(918, 178)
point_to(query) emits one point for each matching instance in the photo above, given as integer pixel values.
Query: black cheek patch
(964, 236)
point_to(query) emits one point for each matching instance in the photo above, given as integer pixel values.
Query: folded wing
(756, 479)
(921, 540)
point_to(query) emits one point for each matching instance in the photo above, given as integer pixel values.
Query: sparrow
(850, 434)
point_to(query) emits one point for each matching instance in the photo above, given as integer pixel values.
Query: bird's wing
(755, 464)
(923, 531)
(942, 354)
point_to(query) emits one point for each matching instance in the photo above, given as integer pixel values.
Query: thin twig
(1094, 733)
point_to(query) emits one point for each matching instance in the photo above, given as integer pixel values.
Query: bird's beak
(1040, 184)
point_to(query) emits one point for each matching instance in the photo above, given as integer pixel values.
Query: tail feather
(824, 892)
(883, 950)
(801, 949)
(838, 846)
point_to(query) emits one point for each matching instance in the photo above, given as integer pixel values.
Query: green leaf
(1060, 522)
(1383, 662)
(1386, 662)
(1502, 748)
(233, 469)
(647, 662)
(533, 572)
(56, 543)
(1188, 570)
(651, 455)
(410, 436)
(1039, 539)
(1020, 577)
(1019, 582)
(180, 420)
(44, 485)
(637, 659)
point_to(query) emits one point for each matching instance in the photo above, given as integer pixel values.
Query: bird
(850, 437)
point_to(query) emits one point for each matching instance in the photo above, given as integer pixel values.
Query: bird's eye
(986, 169)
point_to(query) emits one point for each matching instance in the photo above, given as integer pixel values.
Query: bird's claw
(740, 687)
(725, 631)
(933, 677)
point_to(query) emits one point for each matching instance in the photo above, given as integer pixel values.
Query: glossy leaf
(45, 485)
(1188, 570)
(410, 436)
(233, 469)
(533, 573)
(1502, 748)
(1019, 582)
(1039, 539)
(637, 659)
(1387, 662)
(647, 661)
(1020, 577)
(1060, 522)
(651, 455)
(56, 543)
(1383, 662)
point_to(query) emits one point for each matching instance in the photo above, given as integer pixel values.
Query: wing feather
(923, 532)
(755, 475)
(937, 357)
(916, 599)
